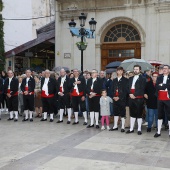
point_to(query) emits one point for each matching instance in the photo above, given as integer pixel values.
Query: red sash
(94, 92)
(15, 94)
(132, 91)
(163, 95)
(26, 88)
(117, 93)
(45, 96)
(74, 93)
(61, 89)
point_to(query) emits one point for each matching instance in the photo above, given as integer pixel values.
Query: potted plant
(81, 45)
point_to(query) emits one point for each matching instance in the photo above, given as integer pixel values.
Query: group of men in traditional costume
(72, 93)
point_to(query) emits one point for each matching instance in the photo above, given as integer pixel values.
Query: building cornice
(162, 7)
(73, 10)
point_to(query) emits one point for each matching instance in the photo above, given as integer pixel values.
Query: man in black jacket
(78, 93)
(27, 87)
(64, 95)
(163, 93)
(94, 87)
(136, 101)
(48, 91)
(119, 94)
(11, 91)
(1, 94)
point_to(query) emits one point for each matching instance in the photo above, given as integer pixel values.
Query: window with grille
(122, 31)
(121, 53)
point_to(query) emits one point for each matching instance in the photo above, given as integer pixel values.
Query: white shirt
(119, 78)
(27, 79)
(45, 86)
(165, 79)
(134, 81)
(9, 82)
(46, 80)
(94, 79)
(62, 81)
(76, 87)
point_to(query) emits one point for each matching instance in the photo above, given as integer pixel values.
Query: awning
(43, 44)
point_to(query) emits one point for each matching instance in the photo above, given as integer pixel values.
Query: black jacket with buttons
(122, 86)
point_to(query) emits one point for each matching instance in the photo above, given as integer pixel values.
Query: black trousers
(48, 104)
(119, 108)
(76, 102)
(4, 100)
(94, 105)
(64, 101)
(12, 103)
(136, 107)
(163, 108)
(28, 102)
(1, 98)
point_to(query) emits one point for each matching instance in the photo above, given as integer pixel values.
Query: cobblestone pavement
(51, 146)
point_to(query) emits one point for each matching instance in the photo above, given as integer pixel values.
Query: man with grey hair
(102, 75)
(163, 93)
(49, 90)
(11, 91)
(94, 87)
(64, 95)
(27, 87)
(78, 93)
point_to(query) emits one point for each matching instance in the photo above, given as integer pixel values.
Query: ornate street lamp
(83, 33)
(92, 24)
(72, 23)
(82, 19)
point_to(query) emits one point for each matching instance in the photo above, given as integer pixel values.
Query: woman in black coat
(151, 101)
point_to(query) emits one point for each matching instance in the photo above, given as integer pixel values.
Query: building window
(122, 53)
(122, 32)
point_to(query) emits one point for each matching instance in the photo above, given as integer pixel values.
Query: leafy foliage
(2, 50)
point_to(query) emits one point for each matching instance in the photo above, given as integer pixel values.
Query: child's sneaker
(102, 128)
(108, 128)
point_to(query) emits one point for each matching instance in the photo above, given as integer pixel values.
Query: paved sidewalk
(51, 146)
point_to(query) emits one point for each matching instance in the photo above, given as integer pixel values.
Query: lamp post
(83, 33)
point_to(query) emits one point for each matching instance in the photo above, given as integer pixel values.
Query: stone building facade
(125, 29)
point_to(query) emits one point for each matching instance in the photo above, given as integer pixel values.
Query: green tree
(2, 50)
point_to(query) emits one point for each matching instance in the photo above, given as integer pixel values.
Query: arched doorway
(119, 42)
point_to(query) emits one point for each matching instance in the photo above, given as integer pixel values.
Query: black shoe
(130, 131)
(75, 123)
(148, 129)
(122, 130)
(31, 120)
(113, 129)
(15, 120)
(0, 118)
(43, 120)
(85, 123)
(89, 126)
(68, 122)
(59, 121)
(10, 119)
(139, 133)
(97, 127)
(51, 120)
(24, 120)
(157, 135)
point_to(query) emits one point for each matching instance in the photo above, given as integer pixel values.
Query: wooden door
(111, 52)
